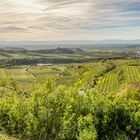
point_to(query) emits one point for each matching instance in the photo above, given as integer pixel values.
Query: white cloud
(58, 18)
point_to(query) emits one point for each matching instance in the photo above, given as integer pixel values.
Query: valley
(65, 93)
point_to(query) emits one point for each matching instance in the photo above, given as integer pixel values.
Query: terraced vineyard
(115, 81)
(132, 74)
(93, 70)
(107, 83)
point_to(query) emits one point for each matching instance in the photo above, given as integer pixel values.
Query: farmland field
(113, 82)
(17, 74)
(132, 74)
(91, 73)
(107, 83)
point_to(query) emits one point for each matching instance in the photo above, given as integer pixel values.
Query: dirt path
(31, 75)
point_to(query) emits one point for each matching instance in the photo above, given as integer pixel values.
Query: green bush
(63, 113)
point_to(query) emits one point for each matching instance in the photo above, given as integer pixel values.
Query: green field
(107, 83)
(132, 74)
(92, 74)
(113, 82)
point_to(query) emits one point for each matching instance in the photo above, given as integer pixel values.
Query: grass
(17, 74)
(5, 137)
(2, 74)
(43, 73)
(93, 69)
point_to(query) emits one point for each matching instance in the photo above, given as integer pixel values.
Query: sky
(69, 19)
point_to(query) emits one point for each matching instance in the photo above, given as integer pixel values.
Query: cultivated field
(96, 75)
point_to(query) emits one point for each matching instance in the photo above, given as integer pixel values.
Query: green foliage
(120, 77)
(63, 113)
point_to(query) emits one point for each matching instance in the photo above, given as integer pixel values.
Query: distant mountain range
(71, 42)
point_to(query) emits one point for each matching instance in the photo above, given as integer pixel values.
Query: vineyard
(104, 77)
(118, 79)
(107, 83)
(132, 74)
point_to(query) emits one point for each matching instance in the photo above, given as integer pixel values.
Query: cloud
(69, 17)
(8, 29)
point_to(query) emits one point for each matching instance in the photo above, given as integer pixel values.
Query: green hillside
(93, 100)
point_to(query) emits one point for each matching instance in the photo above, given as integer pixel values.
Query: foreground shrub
(63, 113)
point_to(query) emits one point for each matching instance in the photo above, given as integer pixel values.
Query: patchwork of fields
(26, 77)
(93, 74)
